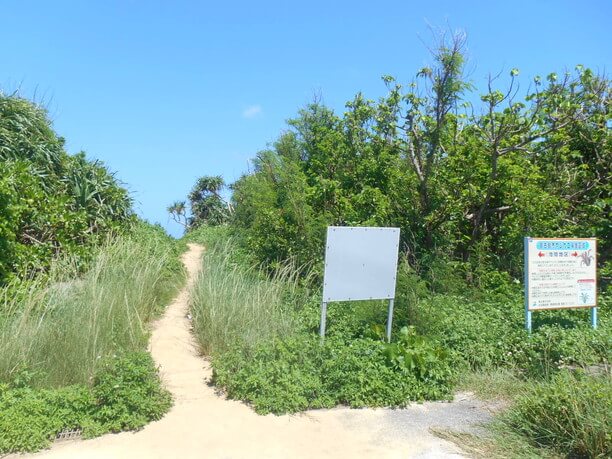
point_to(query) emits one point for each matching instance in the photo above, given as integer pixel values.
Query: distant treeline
(50, 202)
(465, 182)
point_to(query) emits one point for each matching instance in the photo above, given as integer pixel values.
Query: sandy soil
(202, 424)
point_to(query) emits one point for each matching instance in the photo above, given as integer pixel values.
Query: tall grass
(572, 413)
(233, 304)
(55, 331)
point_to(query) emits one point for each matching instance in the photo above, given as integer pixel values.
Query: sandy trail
(202, 424)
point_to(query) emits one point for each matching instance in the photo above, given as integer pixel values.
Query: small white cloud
(251, 111)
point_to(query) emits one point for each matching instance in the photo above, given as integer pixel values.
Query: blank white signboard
(360, 263)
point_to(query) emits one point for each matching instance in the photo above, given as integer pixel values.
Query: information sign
(560, 273)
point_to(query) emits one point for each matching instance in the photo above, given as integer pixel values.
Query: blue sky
(164, 92)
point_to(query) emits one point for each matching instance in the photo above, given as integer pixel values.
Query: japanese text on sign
(561, 273)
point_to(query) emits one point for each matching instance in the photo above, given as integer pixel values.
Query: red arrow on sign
(575, 254)
(540, 254)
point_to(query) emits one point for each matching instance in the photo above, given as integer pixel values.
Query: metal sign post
(323, 319)
(594, 318)
(390, 320)
(526, 269)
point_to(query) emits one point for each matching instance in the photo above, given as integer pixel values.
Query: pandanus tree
(205, 202)
(50, 202)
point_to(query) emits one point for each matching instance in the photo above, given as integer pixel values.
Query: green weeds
(238, 305)
(300, 372)
(126, 394)
(470, 341)
(262, 334)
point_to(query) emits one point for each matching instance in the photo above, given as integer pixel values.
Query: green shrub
(279, 370)
(126, 395)
(277, 376)
(418, 356)
(490, 333)
(31, 418)
(50, 202)
(262, 334)
(300, 372)
(571, 413)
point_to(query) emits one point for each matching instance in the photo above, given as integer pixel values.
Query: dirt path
(203, 425)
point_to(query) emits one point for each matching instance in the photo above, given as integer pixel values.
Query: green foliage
(205, 202)
(300, 372)
(234, 304)
(488, 334)
(261, 332)
(50, 202)
(31, 418)
(417, 355)
(237, 313)
(73, 342)
(570, 413)
(48, 335)
(464, 183)
(273, 215)
(126, 394)
(207, 205)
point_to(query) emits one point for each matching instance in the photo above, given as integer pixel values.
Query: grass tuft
(234, 304)
(55, 331)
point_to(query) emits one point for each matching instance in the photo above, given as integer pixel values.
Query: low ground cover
(568, 413)
(441, 341)
(125, 394)
(74, 345)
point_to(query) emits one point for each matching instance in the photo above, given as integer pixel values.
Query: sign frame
(354, 256)
(529, 310)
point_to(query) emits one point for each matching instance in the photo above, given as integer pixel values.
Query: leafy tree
(464, 181)
(207, 205)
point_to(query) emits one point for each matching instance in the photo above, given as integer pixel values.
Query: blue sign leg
(528, 320)
(594, 318)
(526, 283)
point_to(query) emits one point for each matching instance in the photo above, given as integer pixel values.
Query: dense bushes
(50, 202)
(490, 333)
(80, 279)
(465, 185)
(466, 333)
(298, 373)
(560, 404)
(126, 394)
